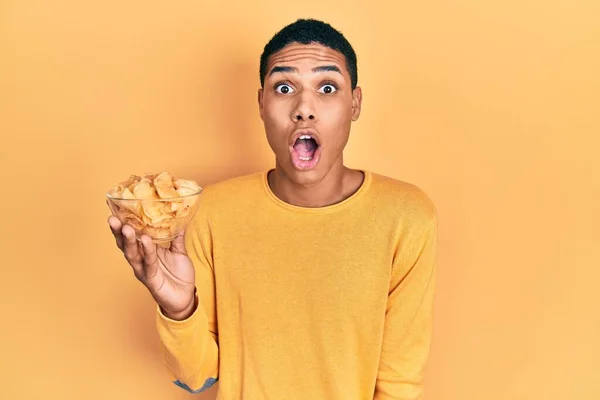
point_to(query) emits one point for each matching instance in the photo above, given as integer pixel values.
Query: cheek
(335, 117)
(338, 109)
(275, 113)
(276, 125)
(334, 123)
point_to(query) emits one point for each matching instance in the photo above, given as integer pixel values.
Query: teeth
(305, 137)
(305, 158)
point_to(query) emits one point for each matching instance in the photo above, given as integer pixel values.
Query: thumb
(178, 244)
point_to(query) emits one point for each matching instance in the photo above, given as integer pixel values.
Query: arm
(408, 321)
(190, 346)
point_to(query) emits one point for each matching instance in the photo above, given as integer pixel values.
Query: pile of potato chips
(154, 204)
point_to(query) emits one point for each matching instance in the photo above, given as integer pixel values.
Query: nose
(304, 109)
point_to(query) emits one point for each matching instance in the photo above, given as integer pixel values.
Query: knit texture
(307, 303)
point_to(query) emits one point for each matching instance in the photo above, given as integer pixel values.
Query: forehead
(310, 54)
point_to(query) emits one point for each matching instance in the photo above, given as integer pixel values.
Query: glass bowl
(161, 219)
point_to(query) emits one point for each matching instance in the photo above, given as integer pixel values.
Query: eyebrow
(322, 68)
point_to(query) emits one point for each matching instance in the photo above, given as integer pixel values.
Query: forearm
(190, 350)
(401, 372)
(409, 317)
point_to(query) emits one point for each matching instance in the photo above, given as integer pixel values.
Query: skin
(318, 95)
(297, 94)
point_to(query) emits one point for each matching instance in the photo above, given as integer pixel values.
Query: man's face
(307, 106)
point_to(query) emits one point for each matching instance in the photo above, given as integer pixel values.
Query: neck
(339, 184)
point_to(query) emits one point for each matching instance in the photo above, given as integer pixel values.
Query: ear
(356, 103)
(260, 103)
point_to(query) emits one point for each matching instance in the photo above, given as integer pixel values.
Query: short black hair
(307, 31)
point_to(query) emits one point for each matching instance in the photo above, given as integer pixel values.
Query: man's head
(307, 31)
(308, 98)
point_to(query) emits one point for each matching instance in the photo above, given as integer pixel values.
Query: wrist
(185, 313)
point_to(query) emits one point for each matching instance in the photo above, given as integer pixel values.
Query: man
(308, 281)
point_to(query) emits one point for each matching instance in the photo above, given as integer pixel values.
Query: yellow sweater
(330, 303)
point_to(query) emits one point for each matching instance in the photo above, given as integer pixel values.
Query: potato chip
(175, 205)
(133, 206)
(159, 233)
(132, 179)
(155, 212)
(138, 202)
(134, 221)
(164, 186)
(133, 185)
(183, 212)
(144, 190)
(185, 186)
(116, 191)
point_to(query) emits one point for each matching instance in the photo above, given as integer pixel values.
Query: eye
(328, 88)
(283, 88)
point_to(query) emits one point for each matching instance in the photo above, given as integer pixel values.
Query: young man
(308, 281)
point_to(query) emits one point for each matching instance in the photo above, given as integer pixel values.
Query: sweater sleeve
(408, 320)
(190, 347)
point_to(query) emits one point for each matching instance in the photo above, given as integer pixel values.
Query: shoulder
(219, 201)
(402, 199)
(228, 192)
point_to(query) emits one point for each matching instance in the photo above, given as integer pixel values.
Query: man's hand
(167, 273)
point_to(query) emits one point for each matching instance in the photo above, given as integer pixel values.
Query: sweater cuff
(170, 324)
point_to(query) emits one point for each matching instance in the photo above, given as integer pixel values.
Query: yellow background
(492, 107)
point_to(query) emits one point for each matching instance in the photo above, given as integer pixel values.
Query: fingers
(141, 254)
(115, 227)
(150, 258)
(132, 251)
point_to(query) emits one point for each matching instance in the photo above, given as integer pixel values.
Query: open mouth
(305, 151)
(306, 146)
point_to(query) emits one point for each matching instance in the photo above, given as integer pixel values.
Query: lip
(302, 165)
(305, 165)
(304, 131)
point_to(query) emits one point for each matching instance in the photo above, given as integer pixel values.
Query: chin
(303, 176)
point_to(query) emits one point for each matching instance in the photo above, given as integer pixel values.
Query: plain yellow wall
(492, 107)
